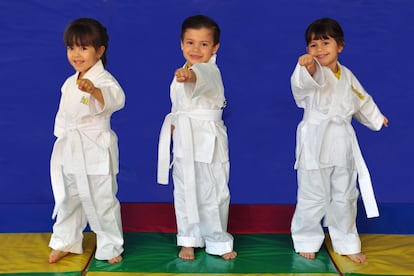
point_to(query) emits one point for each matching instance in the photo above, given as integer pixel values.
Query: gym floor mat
(27, 254)
(155, 254)
(258, 254)
(386, 255)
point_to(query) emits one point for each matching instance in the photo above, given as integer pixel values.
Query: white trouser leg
(189, 235)
(70, 221)
(109, 235)
(213, 199)
(312, 197)
(105, 217)
(342, 229)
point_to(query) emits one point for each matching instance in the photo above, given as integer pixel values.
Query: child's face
(198, 45)
(326, 52)
(82, 58)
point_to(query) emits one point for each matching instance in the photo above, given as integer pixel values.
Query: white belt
(364, 178)
(72, 138)
(184, 124)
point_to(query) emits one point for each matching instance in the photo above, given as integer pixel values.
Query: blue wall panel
(261, 41)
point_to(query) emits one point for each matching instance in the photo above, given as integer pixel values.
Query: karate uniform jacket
(209, 136)
(202, 103)
(325, 136)
(199, 134)
(85, 141)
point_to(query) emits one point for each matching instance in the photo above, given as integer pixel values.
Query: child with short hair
(84, 161)
(328, 158)
(201, 162)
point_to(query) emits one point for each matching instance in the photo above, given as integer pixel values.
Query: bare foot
(186, 253)
(308, 255)
(115, 260)
(358, 258)
(56, 255)
(229, 255)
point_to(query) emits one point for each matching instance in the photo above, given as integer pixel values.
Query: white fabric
(328, 158)
(184, 124)
(104, 218)
(200, 155)
(213, 204)
(86, 151)
(325, 136)
(98, 144)
(314, 202)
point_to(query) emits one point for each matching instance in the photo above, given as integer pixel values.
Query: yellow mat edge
(387, 254)
(29, 252)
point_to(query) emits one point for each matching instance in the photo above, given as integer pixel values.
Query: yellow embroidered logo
(84, 100)
(359, 94)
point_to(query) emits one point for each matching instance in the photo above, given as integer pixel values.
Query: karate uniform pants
(213, 198)
(100, 208)
(329, 193)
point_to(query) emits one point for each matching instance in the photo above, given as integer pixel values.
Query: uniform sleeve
(368, 113)
(208, 91)
(303, 84)
(113, 95)
(59, 127)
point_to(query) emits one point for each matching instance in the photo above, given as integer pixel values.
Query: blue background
(261, 41)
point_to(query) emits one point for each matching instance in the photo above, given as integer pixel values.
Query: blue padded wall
(261, 41)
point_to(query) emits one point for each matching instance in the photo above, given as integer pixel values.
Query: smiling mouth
(195, 56)
(77, 62)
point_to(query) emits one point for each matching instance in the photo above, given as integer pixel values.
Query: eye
(312, 45)
(70, 48)
(204, 44)
(189, 42)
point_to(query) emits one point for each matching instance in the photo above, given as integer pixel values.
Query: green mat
(257, 254)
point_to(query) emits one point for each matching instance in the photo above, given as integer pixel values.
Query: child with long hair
(84, 161)
(328, 158)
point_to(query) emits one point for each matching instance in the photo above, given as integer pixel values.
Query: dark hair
(87, 32)
(323, 28)
(201, 21)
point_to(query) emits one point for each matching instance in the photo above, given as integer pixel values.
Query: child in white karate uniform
(201, 164)
(328, 158)
(84, 161)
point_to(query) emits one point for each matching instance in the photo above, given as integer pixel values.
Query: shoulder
(70, 79)
(346, 71)
(206, 66)
(206, 69)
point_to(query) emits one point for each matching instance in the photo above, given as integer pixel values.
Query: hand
(385, 121)
(309, 62)
(86, 86)
(185, 75)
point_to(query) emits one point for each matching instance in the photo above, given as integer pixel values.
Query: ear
(215, 48)
(181, 45)
(100, 51)
(341, 47)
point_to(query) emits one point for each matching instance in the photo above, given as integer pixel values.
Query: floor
(154, 253)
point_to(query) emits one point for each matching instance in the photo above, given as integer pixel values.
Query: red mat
(243, 218)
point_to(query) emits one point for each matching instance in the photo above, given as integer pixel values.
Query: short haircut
(201, 21)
